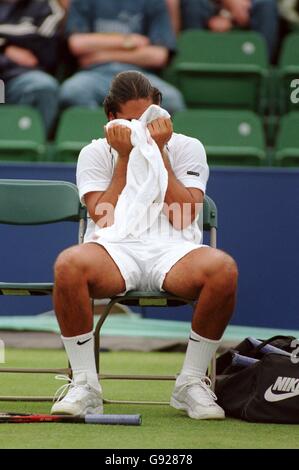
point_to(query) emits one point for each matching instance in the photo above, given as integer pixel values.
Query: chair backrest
(32, 202)
(210, 214)
(239, 48)
(215, 69)
(287, 145)
(288, 58)
(21, 130)
(78, 126)
(229, 137)
(288, 67)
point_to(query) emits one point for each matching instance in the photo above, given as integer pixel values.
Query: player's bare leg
(82, 272)
(210, 276)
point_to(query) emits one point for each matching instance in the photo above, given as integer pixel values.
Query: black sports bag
(260, 386)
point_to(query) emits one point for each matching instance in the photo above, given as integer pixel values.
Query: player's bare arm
(119, 138)
(176, 194)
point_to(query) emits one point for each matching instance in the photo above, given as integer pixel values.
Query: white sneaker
(80, 399)
(194, 395)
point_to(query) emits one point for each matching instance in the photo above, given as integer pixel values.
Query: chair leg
(213, 372)
(132, 377)
(98, 329)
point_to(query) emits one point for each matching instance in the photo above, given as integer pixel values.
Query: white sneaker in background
(194, 395)
(80, 399)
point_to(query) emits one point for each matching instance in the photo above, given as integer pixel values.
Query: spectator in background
(111, 37)
(28, 54)
(223, 15)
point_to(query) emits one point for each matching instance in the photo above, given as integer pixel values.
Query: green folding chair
(230, 137)
(157, 299)
(22, 134)
(27, 202)
(78, 126)
(222, 69)
(287, 146)
(33, 202)
(288, 71)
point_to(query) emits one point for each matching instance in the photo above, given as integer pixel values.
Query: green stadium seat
(22, 135)
(221, 69)
(230, 137)
(288, 73)
(78, 126)
(287, 145)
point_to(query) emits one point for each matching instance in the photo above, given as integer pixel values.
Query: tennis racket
(134, 420)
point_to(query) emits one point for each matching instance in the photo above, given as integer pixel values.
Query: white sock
(80, 351)
(198, 356)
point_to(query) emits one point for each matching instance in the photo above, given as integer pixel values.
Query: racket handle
(134, 420)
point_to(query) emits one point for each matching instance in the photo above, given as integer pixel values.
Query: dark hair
(128, 86)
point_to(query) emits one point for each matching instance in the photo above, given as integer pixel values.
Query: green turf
(162, 426)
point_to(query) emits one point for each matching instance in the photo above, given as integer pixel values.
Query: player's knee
(221, 272)
(227, 274)
(68, 265)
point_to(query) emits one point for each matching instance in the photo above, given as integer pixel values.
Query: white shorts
(144, 263)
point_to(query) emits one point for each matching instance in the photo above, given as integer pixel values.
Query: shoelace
(205, 383)
(62, 391)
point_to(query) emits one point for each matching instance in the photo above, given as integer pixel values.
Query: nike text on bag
(265, 388)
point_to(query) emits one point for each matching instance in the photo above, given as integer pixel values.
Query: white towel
(141, 201)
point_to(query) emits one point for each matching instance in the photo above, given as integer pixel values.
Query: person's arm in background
(175, 14)
(21, 56)
(200, 14)
(222, 22)
(155, 57)
(239, 9)
(65, 4)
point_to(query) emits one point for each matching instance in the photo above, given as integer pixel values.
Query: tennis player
(170, 258)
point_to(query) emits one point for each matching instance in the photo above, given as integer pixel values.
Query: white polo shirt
(189, 163)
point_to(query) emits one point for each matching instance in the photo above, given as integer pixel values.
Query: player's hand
(219, 24)
(119, 137)
(21, 56)
(240, 10)
(161, 131)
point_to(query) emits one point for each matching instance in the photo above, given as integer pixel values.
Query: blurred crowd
(60, 53)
